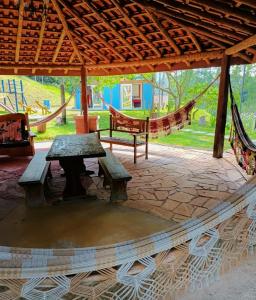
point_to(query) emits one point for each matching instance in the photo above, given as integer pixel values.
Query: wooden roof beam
(72, 57)
(74, 14)
(19, 31)
(204, 15)
(57, 50)
(199, 23)
(226, 9)
(163, 60)
(250, 3)
(251, 41)
(194, 40)
(41, 66)
(89, 46)
(164, 32)
(212, 37)
(66, 29)
(136, 27)
(40, 41)
(244, 57)
(106, 22)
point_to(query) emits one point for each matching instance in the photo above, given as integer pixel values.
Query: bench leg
(101, 172)
(146, 151)
(118, 191)
(35, 195)
(49, 172)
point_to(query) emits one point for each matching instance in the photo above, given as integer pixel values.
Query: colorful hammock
(166, 124)
(53, 115)
(244, 148)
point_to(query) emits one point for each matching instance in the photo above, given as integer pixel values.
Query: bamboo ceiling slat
(124, 36)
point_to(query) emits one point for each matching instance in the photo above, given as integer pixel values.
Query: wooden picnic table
(70, 150)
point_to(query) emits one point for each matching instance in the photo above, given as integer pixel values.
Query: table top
(75, 145)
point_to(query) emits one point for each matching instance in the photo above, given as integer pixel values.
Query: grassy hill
(37, 91)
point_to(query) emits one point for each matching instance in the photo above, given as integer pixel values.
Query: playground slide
(7, 108)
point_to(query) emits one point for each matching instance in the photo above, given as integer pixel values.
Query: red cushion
(10, 131)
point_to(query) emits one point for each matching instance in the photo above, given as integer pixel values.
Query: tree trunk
(62, 93)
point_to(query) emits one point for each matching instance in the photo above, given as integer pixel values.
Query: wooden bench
(34, 179)
(136, 128)
(15, 136)
(115, 175)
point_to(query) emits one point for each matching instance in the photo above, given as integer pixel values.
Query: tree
(182, 86)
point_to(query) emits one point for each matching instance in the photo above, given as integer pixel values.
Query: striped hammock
(166, 124)
(244, 148)
(53, 115)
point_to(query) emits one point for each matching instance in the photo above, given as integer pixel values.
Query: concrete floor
(76, 224)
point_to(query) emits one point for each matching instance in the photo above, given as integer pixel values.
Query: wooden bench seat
(115, 175)
(14, 144)
(120, 141)
(34, 179)
(136, 131)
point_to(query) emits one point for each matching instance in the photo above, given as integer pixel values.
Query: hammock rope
(53, 115)
(165, 124)
(243, 147)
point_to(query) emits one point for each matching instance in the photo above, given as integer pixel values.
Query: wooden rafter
(131, 36)
(129, 20)
(244, 57)
(75, 15)
(219, 32)
(163, 60)
(106, 22)
(67, 31)
(40, 41)
(195, 41)
(250, 3)
(164, 32)
(19, 31)
(205, 15)
(251, 41)
(57, 50)
(227, 10)
(72, 57)
(165, 13)
(90, 47)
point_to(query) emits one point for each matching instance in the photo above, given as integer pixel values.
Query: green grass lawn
(178, 138)
(37, 91)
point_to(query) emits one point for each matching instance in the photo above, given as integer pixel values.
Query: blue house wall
(147, 96)
(112, 96)
(78, 99)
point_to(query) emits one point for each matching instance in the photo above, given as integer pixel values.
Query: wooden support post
(222, 108)
(84, 100)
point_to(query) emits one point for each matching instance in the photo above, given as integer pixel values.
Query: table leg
(73, 168)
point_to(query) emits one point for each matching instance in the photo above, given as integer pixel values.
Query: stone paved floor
(175, 183)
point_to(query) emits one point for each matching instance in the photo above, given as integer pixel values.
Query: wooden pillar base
(222, 109)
